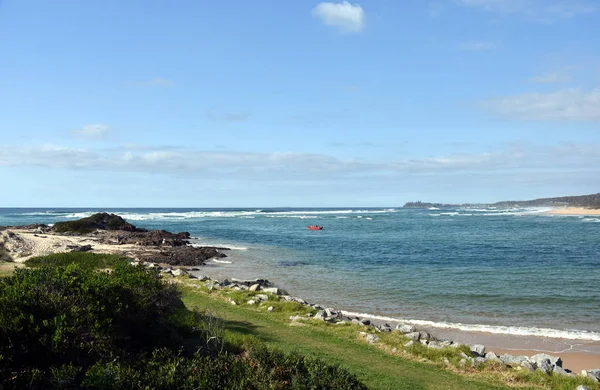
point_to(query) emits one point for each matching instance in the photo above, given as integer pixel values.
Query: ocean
(505, 271)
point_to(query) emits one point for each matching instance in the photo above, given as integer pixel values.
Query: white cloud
(551, 78)
(539, 10)
(282, 166)
(478, 46)
(154, 82)
(92, 130)
(564, 105)
(345, 16)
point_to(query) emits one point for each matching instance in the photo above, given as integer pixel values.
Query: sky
(272, 103)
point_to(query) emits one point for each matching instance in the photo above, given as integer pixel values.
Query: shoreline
(576, 211)
(576, 354)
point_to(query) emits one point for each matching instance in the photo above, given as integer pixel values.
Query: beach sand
(573, 211)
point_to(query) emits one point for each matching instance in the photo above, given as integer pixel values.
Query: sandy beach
(573, 211)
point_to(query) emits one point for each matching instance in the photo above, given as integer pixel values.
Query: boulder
(255, 287)
(272, 290)
(371, 338)
(555, 360)
(261, 297)
(545, 366)
(528, 365)
(251, 302)
(409, 344)
(270, 308)
(593, 374)
(478, 349)
(582, 387)
(365, 322)
(462, 362)
(405, 328)
(558, 370)
(439, 344)
(320, 315)
(425, 335)
(513, 360)
(82, 248)
(491, 356)
(178, 272)
(413, 336)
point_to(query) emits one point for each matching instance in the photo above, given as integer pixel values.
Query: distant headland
(583, 201)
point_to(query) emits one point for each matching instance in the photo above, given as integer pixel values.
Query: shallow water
(514, 271)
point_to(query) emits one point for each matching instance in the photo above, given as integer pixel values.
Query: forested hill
(588, 201)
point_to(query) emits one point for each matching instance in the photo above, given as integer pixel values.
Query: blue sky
(297, 103)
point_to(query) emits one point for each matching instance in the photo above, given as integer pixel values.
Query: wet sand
(573, 211)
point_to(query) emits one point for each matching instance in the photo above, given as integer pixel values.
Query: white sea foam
(232, 247)
(222, 261)
(590, 220)
(433, 208)
(495, 329)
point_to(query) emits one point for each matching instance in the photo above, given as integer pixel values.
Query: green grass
(375, 367)
(93, 260)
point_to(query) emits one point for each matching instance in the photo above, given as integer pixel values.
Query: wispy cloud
(154, 82)
(286, 165)
(539, 10)
(478, 46)
(228, 116)
(92, 130)
(551, 78)
(346, 17)
(563, 105)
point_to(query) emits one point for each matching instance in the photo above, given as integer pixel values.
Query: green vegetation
(385, 365)
(71, 326)
(87, 259)
(102, 221)
(4, 256)
(64, 324)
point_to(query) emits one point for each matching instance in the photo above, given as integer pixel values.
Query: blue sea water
(511, 271)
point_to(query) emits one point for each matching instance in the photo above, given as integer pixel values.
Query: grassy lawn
(375, 367)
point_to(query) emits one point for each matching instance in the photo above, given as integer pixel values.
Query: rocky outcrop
(98, 221)
(160, 238)
(183, 255)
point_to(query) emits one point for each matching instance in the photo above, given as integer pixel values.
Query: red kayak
(315, 227)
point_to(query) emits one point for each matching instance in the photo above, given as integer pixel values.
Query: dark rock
(83, 248)
(183, 255)
(102, 221)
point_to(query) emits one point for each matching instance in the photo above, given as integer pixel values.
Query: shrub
(85, 259)
(66, 325)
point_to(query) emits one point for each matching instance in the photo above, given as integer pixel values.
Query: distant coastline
(589, 203)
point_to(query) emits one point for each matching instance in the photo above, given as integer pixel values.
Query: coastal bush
(4, 256)
(85, 259)
(66, 325)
